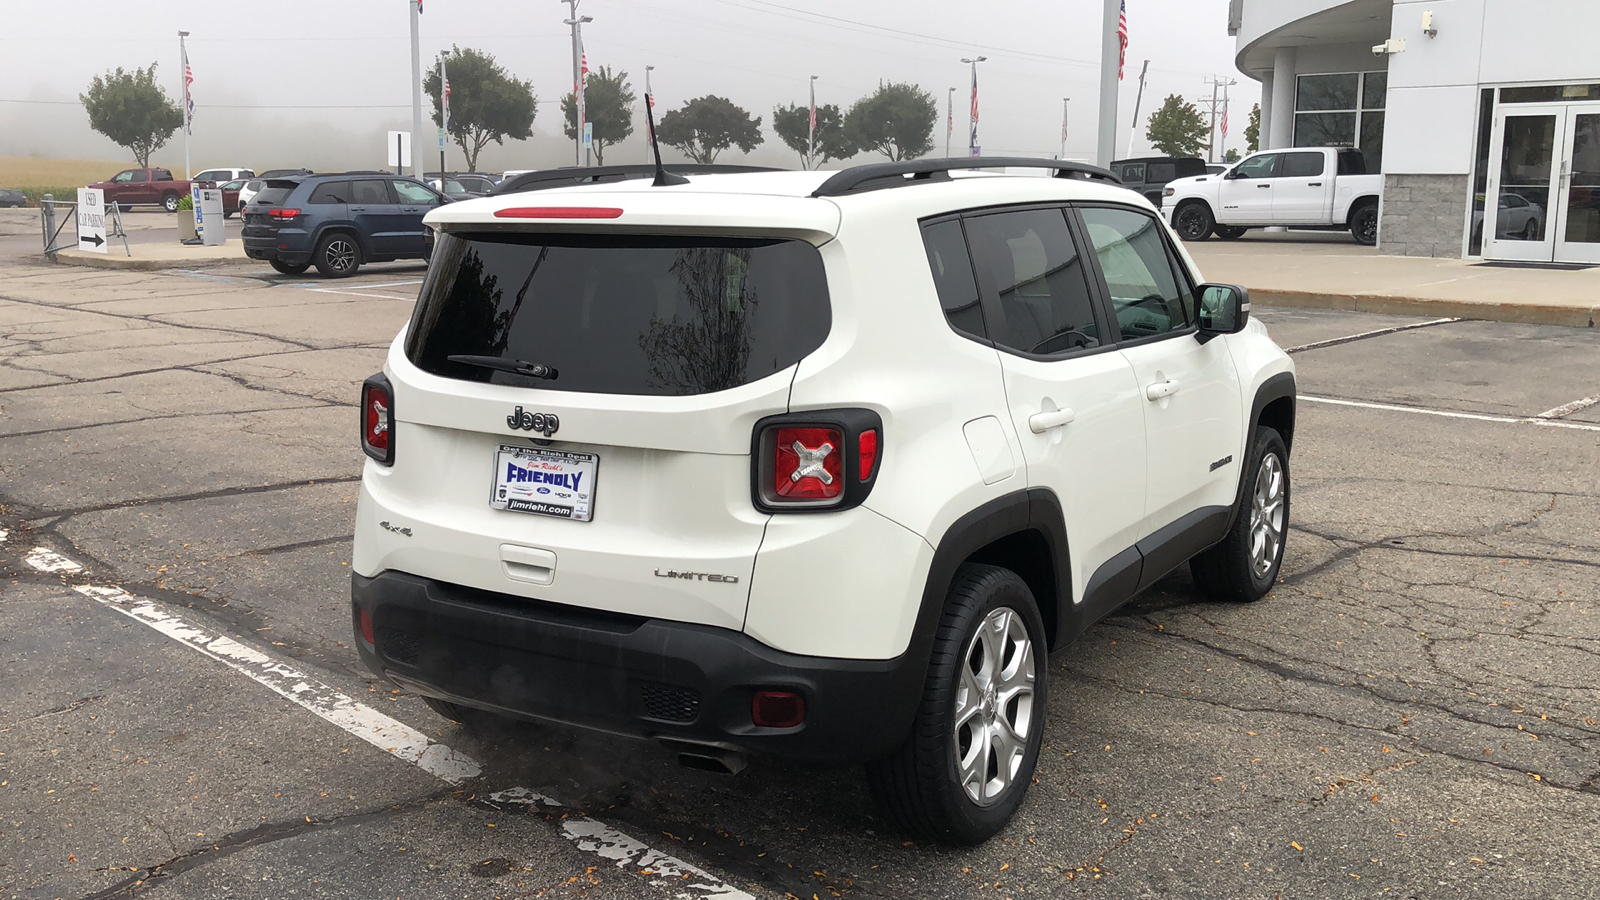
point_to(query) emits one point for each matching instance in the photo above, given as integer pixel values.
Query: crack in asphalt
(61, 515)
(148, 878)
(151, 319)
(322, 404)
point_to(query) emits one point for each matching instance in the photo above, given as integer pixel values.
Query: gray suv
(338, 222)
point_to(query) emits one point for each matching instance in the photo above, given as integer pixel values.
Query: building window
(1550, 93)
(1342, 110)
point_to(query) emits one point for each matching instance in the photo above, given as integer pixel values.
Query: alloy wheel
(340, 254)
(1267, 515)
(994, 706)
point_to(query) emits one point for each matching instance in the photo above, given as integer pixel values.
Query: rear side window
(330, 192)
(952, 276)
(1036, 273)
(1162, 173)
(1302, 165)
(1133, 173)
(621, 314)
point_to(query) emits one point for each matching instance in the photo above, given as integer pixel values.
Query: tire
(169, 202)
(338, 255)
(1530, 231)
(475, 721)
(1229, 232)
(1240, 569)
(920, 787)
(288, 268)
(1193, 221)
(1364, 224)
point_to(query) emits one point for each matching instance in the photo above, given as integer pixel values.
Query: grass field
(36, 176)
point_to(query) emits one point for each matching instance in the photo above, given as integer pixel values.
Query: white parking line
(360, 294)
(399, 739)
(1366, 334)
(1567, 409)
(1453, 414)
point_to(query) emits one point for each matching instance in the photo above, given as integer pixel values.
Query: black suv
(1150, 174)
(338, 222)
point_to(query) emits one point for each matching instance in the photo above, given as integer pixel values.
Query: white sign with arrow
(92, 220)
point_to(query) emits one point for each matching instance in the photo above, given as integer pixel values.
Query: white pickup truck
(1303, 187)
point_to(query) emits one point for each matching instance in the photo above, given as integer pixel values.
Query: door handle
(1039, 423)
(1263, 185)
(356, 208)
(1161, 389)
(1315, 184)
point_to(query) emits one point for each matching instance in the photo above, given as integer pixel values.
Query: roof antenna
(663, 177)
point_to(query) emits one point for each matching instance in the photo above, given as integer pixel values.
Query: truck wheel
(1193, 222)
(289, 268)
(1364, 224)
(1229, 232)
(169, 202)
(338, 255)
(967, 763)
(1245, 565)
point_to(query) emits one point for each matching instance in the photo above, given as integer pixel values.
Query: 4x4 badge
(545, 423)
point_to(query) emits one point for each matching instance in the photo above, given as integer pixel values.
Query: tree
(607, 104)
(793, 125)
(486, 103)
(708, 125)
(1232, 156)
(131, 109)
(1252, 132)
(896, 120)
(1177, 128)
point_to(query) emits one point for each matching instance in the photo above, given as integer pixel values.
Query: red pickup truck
(146, 187)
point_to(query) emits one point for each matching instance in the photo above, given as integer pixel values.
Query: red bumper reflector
(558, 212)
(868, 445)
(776, 709)
(366, 627)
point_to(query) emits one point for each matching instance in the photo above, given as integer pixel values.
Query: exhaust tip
(722, 762)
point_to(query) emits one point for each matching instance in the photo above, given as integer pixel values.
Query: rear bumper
(627, 675)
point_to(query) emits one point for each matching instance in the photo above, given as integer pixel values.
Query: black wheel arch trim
(343, 228)
(1277, 387)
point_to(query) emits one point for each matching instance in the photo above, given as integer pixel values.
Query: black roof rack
(574, 175)
(885, 175)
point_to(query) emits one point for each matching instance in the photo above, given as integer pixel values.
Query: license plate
(544, 482)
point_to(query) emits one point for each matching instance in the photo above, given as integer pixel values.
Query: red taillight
(867, 447)
(377, 419)
(809, 464)
(558, 212)
(284, 213)
(366, 627)
(777, 709)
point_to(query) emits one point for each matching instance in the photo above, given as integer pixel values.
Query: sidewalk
(1330, 271)
(163, 255)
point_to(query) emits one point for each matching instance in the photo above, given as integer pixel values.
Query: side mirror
(1224, 309)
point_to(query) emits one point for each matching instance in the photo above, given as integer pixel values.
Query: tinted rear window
(330, 192)
(621, 314)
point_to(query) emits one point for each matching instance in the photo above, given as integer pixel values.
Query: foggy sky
(296, 82)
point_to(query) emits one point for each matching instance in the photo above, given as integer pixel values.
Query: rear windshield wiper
(514, 366)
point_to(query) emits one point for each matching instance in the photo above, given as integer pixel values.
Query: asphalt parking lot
(1414, 712)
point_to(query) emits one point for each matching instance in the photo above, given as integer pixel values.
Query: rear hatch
(617, 476)
(257, 222)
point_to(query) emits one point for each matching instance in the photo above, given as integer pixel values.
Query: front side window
(122, 177)
(1037, 275)
(953, 278)
(620, 314)
(1263, 166)
(369, 192)
(415, 194)
(1148, 297)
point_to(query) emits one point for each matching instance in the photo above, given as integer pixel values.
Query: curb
(109, 261)
(1383, 304)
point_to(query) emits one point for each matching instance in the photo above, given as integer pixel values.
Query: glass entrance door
(1525, 154)
(1577, 224)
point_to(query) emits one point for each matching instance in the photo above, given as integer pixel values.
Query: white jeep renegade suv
(817, 465)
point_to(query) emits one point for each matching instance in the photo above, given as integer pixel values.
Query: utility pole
(1133, 130)
(579, 156)
(416, 89)
(972, 139)
(811, 133)
(188, 113)
(950, 120)
(1216, 81)
(649, 102)
(1064, 102)
(1110, 66)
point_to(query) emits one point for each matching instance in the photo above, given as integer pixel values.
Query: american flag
(419, 7)
(813, 117)
(972, 141)
(188, 98)
(1224, 120)
(1122, 38)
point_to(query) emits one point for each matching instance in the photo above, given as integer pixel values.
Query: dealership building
(1482, 115)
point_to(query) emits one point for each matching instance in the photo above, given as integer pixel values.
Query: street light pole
(416, 89)
(649, 101)
(950, 120)
(1064, 102)
(972, 139)
(576, 22)
(1110, 76)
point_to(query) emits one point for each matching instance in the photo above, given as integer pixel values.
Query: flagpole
(444, 115)
(416, 89)
(811, 128)
(972, 138)
(578, 155)
(188, 116)
(649, 102)
(1138, 100)
(1064, 102)
(1110, 67)
(950, 120)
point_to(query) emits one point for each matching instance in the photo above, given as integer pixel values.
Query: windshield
(621, 314)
